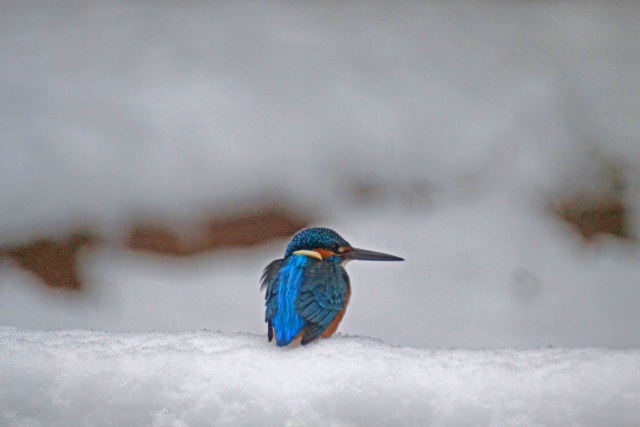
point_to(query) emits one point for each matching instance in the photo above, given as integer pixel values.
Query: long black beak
(365, 255)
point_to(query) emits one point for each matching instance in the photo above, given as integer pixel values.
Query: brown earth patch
(591, 215)
(243, 230)
(55, 260)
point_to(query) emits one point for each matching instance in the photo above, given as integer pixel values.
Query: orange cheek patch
(324, 253)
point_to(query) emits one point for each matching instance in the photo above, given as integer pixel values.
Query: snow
(76, 377)
(461, 121)
(112, 111)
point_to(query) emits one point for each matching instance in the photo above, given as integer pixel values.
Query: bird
(308, 290)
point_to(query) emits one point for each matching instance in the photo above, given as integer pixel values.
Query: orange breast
(334, 325)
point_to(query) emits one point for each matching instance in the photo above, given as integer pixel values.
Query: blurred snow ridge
(110, 111)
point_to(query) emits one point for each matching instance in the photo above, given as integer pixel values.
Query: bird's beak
(366, 255)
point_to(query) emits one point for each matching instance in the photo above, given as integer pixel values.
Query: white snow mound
(80, 377)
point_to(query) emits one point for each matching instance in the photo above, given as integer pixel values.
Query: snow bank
(109, 111)
(78, 377)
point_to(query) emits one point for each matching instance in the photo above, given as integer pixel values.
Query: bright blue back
(286, 321)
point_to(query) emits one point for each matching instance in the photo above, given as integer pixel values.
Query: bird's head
(324, 243)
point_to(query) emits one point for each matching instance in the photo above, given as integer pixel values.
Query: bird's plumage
(323, 294)
(308, 290)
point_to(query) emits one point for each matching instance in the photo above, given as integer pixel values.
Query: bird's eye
(335, 248)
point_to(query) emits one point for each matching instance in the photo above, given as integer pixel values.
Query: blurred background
(155, 156)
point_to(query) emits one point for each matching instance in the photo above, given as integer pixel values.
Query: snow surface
(88, 378)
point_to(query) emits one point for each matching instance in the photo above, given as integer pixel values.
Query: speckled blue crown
(313, 238)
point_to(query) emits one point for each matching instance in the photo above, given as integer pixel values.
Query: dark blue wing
(269, 281)
(323, 293)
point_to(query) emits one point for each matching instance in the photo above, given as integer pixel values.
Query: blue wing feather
(323, 293)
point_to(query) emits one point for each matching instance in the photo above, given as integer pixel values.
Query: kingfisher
(308, 290)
